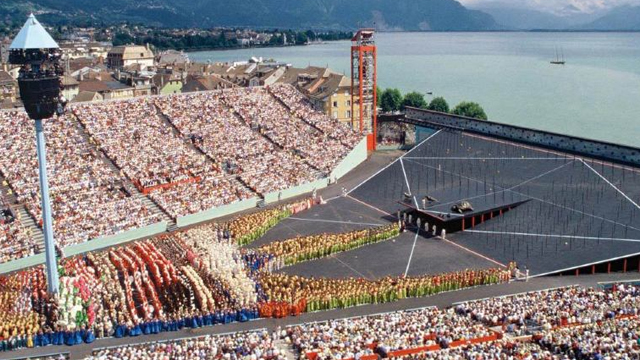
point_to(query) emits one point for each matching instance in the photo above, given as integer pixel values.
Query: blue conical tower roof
(33, 36)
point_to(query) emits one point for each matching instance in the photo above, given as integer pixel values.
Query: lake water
(596, 95)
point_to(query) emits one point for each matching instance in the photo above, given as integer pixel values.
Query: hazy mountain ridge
(514, 17)
(524, 19)
(622, 18)
(530, 19)
(401, 15)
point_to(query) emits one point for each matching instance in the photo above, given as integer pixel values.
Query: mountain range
(387, 15)
(522, 18)
(619, 19)
(510, 16)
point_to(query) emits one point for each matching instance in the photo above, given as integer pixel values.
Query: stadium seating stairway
(27, 221)
(128, 185)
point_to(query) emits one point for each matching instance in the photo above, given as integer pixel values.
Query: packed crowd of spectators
(431, 333)
(261, 111)
(134, 136)
(217, 131)
(585, 323)
(250, 346)
(180, 179)
(245, 133)
(16, 240)
(611, 339)
(88, 198)
(525, 313)
(493, 350)
(303, 109)
(384, 333)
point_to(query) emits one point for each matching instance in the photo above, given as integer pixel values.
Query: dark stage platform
(577, 212)
(572, 212)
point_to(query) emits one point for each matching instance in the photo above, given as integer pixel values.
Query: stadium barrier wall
(217, 212)
(295, 191)
(148, 190)
(571, 144)
(391, 147)
(565, 324)
(480, 340)
(88, 246)
(414, 351)
(356, 157)
(405, 147)
(314, 356)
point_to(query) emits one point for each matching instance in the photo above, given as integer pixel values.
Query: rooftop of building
(130, 52)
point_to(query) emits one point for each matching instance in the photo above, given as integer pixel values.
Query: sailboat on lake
(559, 60)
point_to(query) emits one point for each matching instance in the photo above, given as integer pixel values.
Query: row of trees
(166, 39)
(391, 100)
(162, 40)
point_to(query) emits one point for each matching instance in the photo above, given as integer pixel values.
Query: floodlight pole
(39, 81)
(47, 223)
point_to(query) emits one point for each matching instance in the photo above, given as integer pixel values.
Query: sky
(557, 6)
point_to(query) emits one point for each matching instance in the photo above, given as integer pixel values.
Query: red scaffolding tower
(364, 84)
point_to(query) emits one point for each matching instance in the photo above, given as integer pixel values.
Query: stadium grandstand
(124, 165)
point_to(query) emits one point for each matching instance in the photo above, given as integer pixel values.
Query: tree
(391, 100)
(311, 35)
(301, 38)
(414, 99)
(122, 39)
(275, 40)
(439, 104)
(470, 109)
(378, 96)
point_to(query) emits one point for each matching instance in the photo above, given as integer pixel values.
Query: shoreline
(190, 51)
(511, 31)
(535, 31)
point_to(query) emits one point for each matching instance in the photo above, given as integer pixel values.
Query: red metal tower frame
(364, 83)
